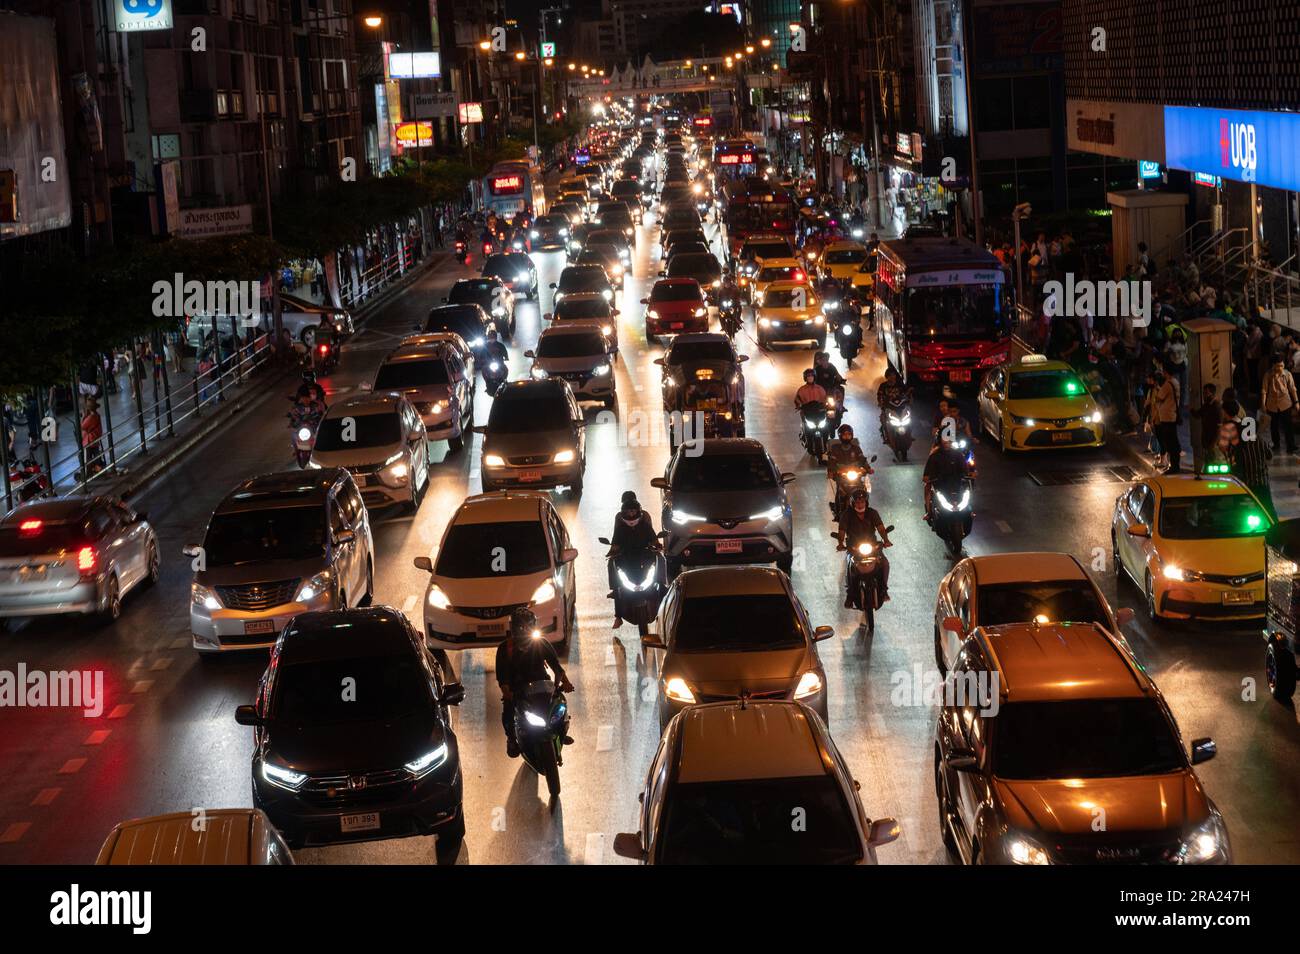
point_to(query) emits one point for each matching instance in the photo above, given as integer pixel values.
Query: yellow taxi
(789, 311)
(772, 270)
(864, 276)
(1194, 544)
(840, 260)
(1034, 403)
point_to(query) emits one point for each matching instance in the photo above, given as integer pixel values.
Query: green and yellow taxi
(1035, 404)
(1194, 545)
(789, 311)
(771, 270)
(841, 260)
(864, 276)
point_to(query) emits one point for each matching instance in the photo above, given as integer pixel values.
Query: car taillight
(87, 561)
(324, 349)
(30, 527)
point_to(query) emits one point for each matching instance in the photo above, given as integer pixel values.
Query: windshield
(845, 256)
(51, 538)
(528, 413)
(474, 550)
(589, 308)
(505, 266)
(694, 263)
(699, 351)
(760, 216)
(1027, 385)
(1085, 738)
(570, 346)
(552, 222)
(1072, 601)
(1212, 517)
(786, 298)
(778, 273)
(410, 374)
(955, 311)
(384, 688)
(365, 430)
(472, 292)
(274, 533)
(737, 624)
(748, 822)
(582, 279)
(766, 250)
(675, 291)
(464, 321)
(723, 472)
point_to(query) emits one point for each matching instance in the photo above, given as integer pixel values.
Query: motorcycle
(896, 430)
(951, 513)
(541, 724)
(303, 425)
(862, 566)
(462, 251)
(642, 577)
(849, 477)
(325, 353)
(28, 480)
(495, 373)
(848, 330)
(729, 317)
(813, 433)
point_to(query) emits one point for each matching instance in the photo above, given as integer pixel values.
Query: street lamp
(485, 45)
(373, 21)
(765, 42)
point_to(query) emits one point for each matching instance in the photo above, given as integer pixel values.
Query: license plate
(492, 629)
(706, 405)
(1238, 596)
(676, 325)
(959, 375)
(530, 475)
(728, 546)
(253, 626)
(1061, 437)
(363, 821)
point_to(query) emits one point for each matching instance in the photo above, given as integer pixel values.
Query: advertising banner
(1246, 145)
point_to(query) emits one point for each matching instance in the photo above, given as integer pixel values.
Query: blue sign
(1246, 145)
(1148, 170)
(132, 16)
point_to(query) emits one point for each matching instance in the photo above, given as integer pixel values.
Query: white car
(500, 551)
(578, 352)
(381, 440)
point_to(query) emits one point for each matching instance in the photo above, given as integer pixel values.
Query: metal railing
(390, 267)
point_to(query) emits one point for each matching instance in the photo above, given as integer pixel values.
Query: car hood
(533, 442)
(1070, 806)
(352, 748)
(580, 363)
(1235, 557)
(726, 504)
(356, 457)
(727, 674)
(261, 571)
(675, 307)
(496, 591)
(1051, 409)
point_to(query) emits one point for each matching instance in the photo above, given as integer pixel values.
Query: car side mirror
(951, 624)
(479, 428)
(628, 845)
(823, 632)
(659, 483)
(645, 301)
(1139, 530)
(247, 715)
(604, 540)
(742, 358)
(453, 694)
(962, 760)
(344, 537)
(1123, 616)
(789, 478)
(568, 555)
(547, 317)
(552, 284)
(141, 516)
(883, 831)
(1203, 750)
(659, 361)
(653, 641)
(530, 353)
(416, 434)
(423, 563)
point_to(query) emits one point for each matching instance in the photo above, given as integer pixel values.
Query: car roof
(712, 446)
(500, 506)
(1190, 485)
(373, 402)
(782, 262)
(699, 337)
(416, 352)
(59, 510)
(294, 487)
(227, 837)
(789, 284)
(528, 389)
(581, 297)
(733, 741)
(580, 326)
(1060, 661)
(450, 338)
(841, 245)
(344, 634)
(747, 580)
(677, 280)
(1027, 363)
(1027, 567)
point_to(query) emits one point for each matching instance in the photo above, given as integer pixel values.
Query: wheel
(954, 541)
(1149, 592)
(868, 608)
(449, 839)
(1002, 438)
(151, 577)
(938, 652)
(575, 488)
(455, 444)
(112, 603)
(1279, 664)
(369, 598)
(785, 562)
(1114, 559)
(551, 770)
(941, 795)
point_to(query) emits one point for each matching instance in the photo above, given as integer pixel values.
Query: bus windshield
(755, 216)
(956, 311)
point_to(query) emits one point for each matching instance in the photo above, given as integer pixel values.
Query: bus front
(956, 323)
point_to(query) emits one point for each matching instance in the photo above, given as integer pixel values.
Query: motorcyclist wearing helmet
(633, 530)
(827, 376)
(310, 389)
(811, 392)
(844, 451)
(494, 350)
(946, 463)
(524, 657)
(892, 390)
(861, 523)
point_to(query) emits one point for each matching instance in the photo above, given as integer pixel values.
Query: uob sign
(1245, 145)
(1237, 149)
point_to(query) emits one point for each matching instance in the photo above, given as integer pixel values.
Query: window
(473, 550)
(1085, 738)
(338, 520)
(737, 624)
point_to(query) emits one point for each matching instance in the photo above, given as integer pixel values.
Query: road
(167, 740)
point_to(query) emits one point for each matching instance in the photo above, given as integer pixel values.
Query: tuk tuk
(713, 405)
(1282, 616)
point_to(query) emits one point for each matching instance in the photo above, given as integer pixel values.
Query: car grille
(364, 786)
(487, 612)
(770, 694)
(257, 596)
(530, 460)
(1238, 580)
(364, 470)
(1078, 435)
(1125, 848)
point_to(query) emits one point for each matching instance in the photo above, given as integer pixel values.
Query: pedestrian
(1166, 415)
(1176, 359)
(1249, 465)
(1279, 400)
(437, 229)
(1210, 416)
(88, 378)
(92, 436)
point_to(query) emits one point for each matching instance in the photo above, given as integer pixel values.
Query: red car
(675, 305)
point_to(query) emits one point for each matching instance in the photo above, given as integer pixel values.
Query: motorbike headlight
(846, 330)
(965, 500)
(677, 690)
(499, 312)
(282, 777)
(627, 584)
(313, 588)
(727, 303)
(427, 762)
(600, 370)
(494, 460)
(544, 593)
(809, 685)
(437, 598)
(866, 549)
(852, 475)
(533, 719)
(772, 513)
(681, 516)
(533, 234)
(650, 577)
(540, 374)
(564, 232)
(618, 268)
(943, 501)
(202, 596)
(564, 457)
(831, 306)
(1207, 842)
(629, 231)
(477, 343)
(717, 283)
(304, 433)
(1022, 851)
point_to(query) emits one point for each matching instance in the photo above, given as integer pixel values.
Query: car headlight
(313, 588)
(282, 777)
(600, 370)
(809, 685)
(202, 596)
(618, 268)
(819, 319)
(701, 312)
(652, 314)
(437, 407)
(1022, 851)
(765, 322)
(540, 374)
(681, 516)
(1207, 842)
(533, 234)
(544, 593)
(564, 232)
(1094, 417)
(606, 330)
(717, 283)
(677, 690)
(427, 762)
(628, 231)
(437, 598)
(493, 460)
(564, 457)
(773, 513)
(1174, 573)
(607, 294)
(575, 246)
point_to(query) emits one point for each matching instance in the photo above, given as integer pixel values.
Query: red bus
(753, 206)
(944, 309)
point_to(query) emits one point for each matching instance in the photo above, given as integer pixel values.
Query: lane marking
(408, 604)
(604, 738)
(1003, 526)
(97, 737)
(121, 711)
(160, 664)
(14, 832)
(46, 795)
(594, 854)
(144, 685)
(72, 766)
(181, 643)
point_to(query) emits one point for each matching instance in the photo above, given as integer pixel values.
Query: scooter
(952, 514)
(848, 329)
(541, 725)
(813, 433)
(642, 581)
(729, 317)
(325, 355)
(848, 478)
(495, 373)
(28, 480)
(462, 251)
(303, 436)
(896, 429)
(862, 566)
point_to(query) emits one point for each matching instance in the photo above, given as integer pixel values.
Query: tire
(868, 609)
(575, 489)
(154, 570)
(449, 840)
(954, 542)
(551, 770)
(1279, 664)
(455, 444)
(1114, 559)
(369, 598)
(941, 796)
(112, 610)
(1148, 590)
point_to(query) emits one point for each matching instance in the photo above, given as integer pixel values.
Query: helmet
(859, 495)
(845, 430)
(522, 622)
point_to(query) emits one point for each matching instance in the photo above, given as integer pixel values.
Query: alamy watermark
(1108, 299)
(177, 298)
(929, 687)
(58, 689)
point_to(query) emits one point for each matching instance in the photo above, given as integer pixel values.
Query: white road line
(594, 854)
(604, 738)
(16, 831)
(1003, 526)
(143, 686)
(408, 604)
(121, 711)
(46, 795)
(160, 664)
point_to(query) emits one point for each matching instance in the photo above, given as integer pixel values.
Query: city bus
(510, 187)
(944, 309)
(753, 206)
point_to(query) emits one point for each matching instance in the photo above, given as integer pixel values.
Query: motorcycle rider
(811, 391)
(633, 530)
(522, 659)
(949, 419)
(946, 462)
(494, 350)
(861, 523)
(892, 390)
(310, 389)
(843, 452)
(827, 376)
(730, 292)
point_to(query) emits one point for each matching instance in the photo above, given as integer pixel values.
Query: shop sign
(1245, 145)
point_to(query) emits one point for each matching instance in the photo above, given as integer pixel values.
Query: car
(771, 270)
(583, 279)
(683, 216)
(278, 545)
(550, 231)
(615, 215)
(724, 501)
(535, 437)
(580, 353)
(74, 556)
(789, 311)
(727, 779)
(693, 357)
(754, 250)
(577, 241)
(375, 759)
(571, 211)
(472, 591)
(608, 258)
(1034, 403)
(670, 240)
(447, 339)
(1054, 746)
(839, 260)
(382, 442)
(913, 232)
(514, 269)
(701, 266)
(585, 309)
(732, 632)
(682, 246)
(675, 306)
(438, 382)
(1193, 545)
(614, 237)
(470, 322)
(864, 276)
(1002, 588)
(298, 316)
(631, 191)
(228, 836)
(492, 295)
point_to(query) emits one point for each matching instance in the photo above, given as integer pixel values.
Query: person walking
(1166, 415)
(1279, 400)
(1210, 416)
(1176, 358)
(92, 436)
(1248, 464)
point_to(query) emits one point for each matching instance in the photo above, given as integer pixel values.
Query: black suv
(471, 322)
(352, 734)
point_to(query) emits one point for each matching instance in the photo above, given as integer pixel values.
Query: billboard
(414, 65)
(470, 112)
(134, 16)
(414, 134)
(1245, 145)
(433, 105)
(205, 223)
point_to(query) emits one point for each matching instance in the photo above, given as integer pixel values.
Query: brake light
(87, 561)
(798, 275)
(324, 349)
(30, 526)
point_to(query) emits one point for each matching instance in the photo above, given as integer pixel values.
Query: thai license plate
(959, 375)
(488, 630)
(1238, 596)
(676, 325)
(1061, 437)
(728, 546)
(362, 821)
(530, 475)
(254, 626)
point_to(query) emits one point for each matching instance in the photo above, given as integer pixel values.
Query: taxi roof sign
(1034, 359)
